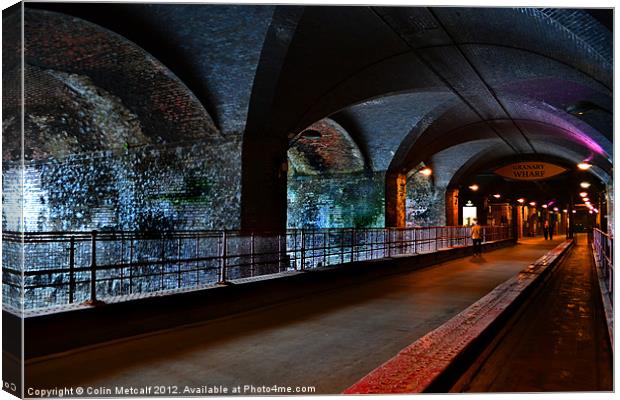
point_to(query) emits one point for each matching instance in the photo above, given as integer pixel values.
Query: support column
(263, 185)
(452, 207)
(515, 223)
(395, 199)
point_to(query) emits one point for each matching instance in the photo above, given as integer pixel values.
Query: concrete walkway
(560, 342)
(328, 340)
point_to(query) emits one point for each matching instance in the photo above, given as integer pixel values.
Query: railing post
(71, 269)
(325, 238)
(252, 260)
(303, 250)
(223, 259)
(342, 246)
(162, 256)
(93, 267)
(131, 250)
(179, 263)
(279, 253)
(352, 244)
(197, 255)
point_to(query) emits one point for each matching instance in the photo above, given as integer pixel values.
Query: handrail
(72, 267)
(603, 244)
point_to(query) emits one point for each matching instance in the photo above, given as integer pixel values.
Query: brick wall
(194, 186)
(425, 203)
(336, 201)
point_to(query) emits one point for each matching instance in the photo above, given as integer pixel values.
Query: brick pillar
(452, 207)
(395, 199)
(263, 184)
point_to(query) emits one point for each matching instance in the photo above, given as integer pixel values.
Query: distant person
(546, 229)
(551, 226)
(476, 237)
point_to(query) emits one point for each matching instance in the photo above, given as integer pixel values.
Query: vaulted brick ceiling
(405, 83)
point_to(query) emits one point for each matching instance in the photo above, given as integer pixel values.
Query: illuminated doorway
(469, 214)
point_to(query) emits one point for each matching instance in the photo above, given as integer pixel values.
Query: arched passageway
(390, 91)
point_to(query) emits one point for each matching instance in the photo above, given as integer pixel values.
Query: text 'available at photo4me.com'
(166, 390)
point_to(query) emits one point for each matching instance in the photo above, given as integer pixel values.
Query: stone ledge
(432, 362)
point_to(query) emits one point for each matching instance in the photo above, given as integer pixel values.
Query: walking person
(546, 229)
(476, 237)
(551, 226)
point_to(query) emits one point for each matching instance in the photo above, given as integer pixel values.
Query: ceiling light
(574, 211)
(497, 195)
(584, 166)
(522, 200)
(544, 206)
(586, 199)
(532, 203)
(590, 212)
(585, 185)
(565, 211)
(583, 106)
(555, 209)
(426, 171)
(596, 210)
(474, 187)
(583, 194)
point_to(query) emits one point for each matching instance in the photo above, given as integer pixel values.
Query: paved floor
(559, 343)
(328, 340)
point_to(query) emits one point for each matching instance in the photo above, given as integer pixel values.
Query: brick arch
(167, 110)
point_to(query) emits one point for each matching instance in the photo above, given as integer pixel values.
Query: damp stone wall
(336, 201)
(154, 188)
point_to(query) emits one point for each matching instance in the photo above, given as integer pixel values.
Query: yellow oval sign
(529, 171)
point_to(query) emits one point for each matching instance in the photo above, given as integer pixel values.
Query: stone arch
(113, 139)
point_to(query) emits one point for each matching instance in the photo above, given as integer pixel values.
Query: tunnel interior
(263, 118)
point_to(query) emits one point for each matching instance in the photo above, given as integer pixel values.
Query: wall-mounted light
(584, 166)
(544, 206)
(564, 211)
(426, 171)
(596, 210)
(532, 203)
(583, 194)
(574, 211)
(585, 185)
(497, 195)
(521, 200)
(586, 199)
(591, 212)
(555, 209)
(474, 187)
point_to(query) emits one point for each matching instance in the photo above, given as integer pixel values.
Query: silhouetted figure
(551, 231)
(546, 229)
(476, 237)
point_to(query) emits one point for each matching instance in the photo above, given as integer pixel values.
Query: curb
(436, 360)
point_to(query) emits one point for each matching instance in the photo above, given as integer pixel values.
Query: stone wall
(336, 201)
(113, 140)
(190, 187)
(426, 202)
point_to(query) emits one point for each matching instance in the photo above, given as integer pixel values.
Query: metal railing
(604, 251)
(64, 268)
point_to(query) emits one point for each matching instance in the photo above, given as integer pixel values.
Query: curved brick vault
(390, 87)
